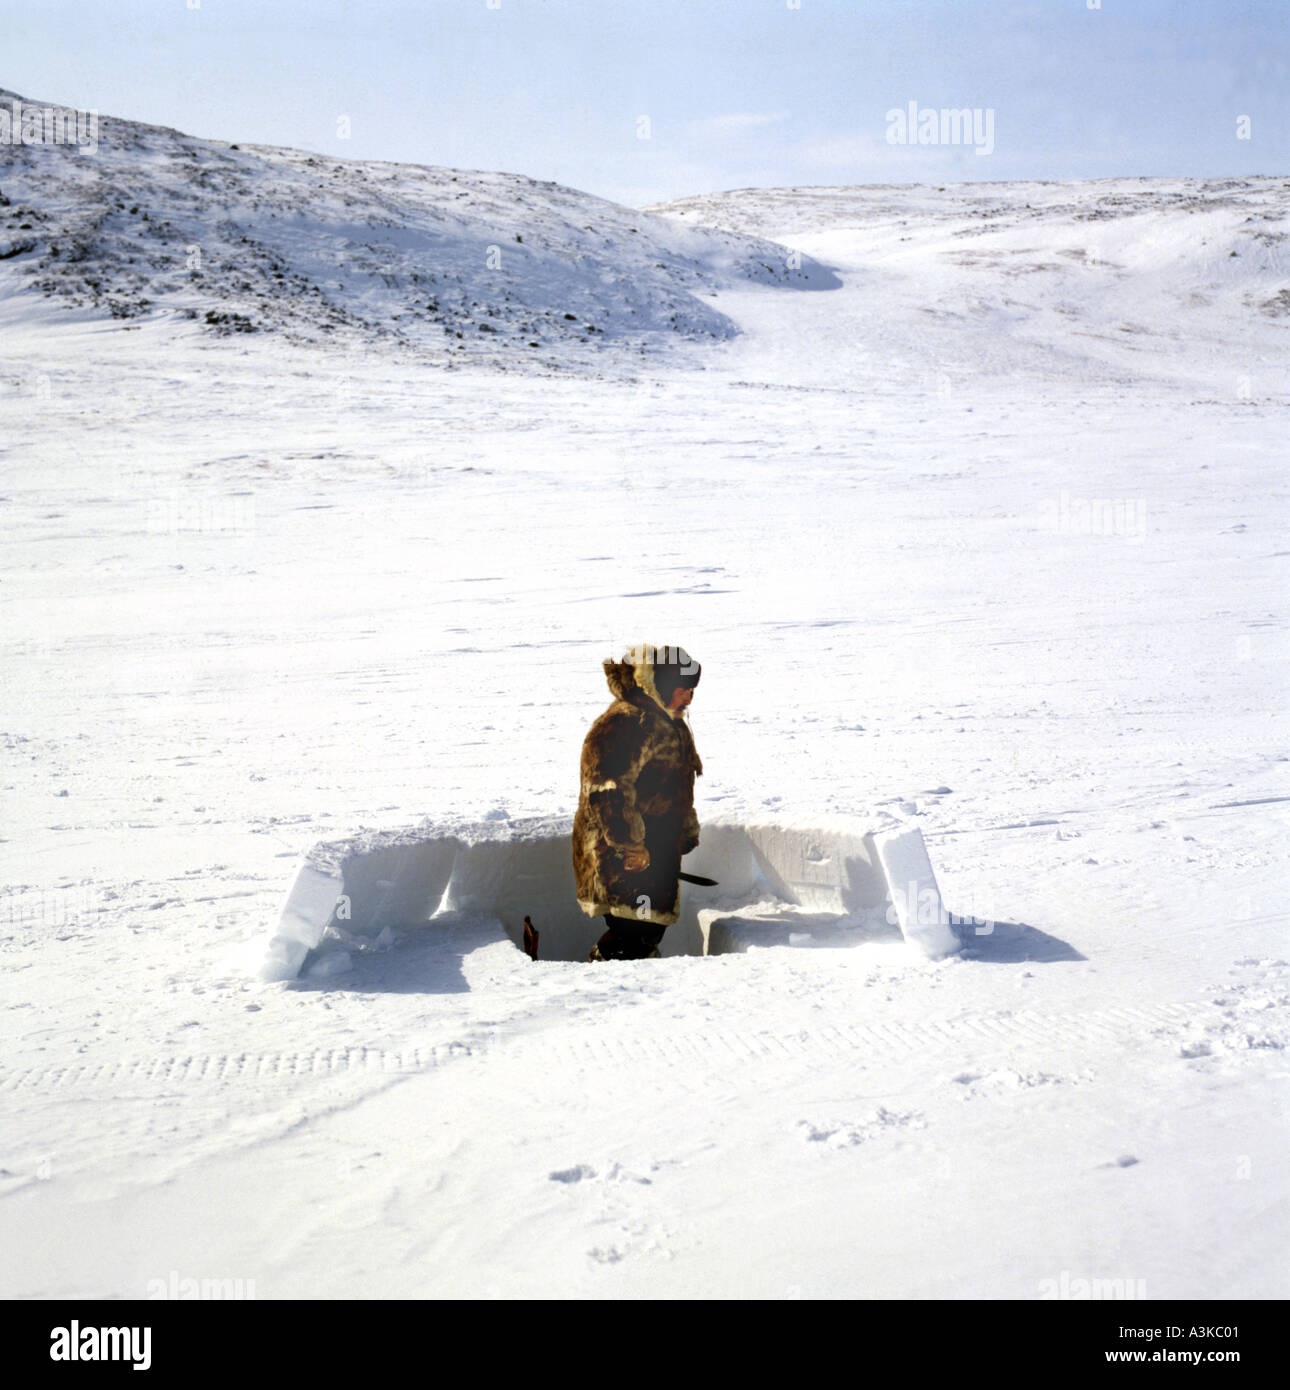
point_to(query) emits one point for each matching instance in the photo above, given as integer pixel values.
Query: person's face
(680, 698)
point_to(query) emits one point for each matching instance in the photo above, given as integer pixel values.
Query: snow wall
(503, 870)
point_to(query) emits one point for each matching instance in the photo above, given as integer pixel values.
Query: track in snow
(1028, 1028)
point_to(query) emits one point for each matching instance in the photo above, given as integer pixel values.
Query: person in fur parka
(635, 816)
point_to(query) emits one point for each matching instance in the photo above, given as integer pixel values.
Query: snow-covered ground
(990, 539)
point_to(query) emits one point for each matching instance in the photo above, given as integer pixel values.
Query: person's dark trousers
(627, 939)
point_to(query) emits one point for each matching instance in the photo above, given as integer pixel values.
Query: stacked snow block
(828, 876)
(843, 882)
(761, 926)
(401, 879)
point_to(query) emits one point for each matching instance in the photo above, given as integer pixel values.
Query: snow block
(307, 910)
(764, 925)
(912, 891)
(836, 875)
(834, 870)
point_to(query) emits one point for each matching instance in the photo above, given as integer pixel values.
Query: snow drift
(775, 883)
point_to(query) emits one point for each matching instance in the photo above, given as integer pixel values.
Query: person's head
(681, 697)
(676, 674)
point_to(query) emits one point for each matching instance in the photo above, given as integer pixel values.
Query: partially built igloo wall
(504, 870)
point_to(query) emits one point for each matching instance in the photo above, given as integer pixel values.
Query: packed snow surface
(989, 539)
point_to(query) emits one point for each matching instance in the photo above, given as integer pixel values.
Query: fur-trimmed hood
(633, 676)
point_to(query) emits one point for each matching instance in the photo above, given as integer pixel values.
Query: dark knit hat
(674, 669)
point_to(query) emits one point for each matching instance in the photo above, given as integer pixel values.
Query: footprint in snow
(617, 1173)
(614, 1173)
(1006, 1080)
(847, 1134)
(575, 1174)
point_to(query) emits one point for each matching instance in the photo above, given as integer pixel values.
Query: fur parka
(638, 770)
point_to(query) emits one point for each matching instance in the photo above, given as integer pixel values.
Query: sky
(646, 100)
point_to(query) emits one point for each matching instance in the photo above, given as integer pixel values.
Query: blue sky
(640, 100)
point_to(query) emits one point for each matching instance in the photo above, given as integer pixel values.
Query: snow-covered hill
(1130, 278)
(251, 238)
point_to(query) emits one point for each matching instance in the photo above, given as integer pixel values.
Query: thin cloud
(735, 123)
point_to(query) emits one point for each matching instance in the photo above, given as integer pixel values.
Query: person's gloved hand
(636, 860)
